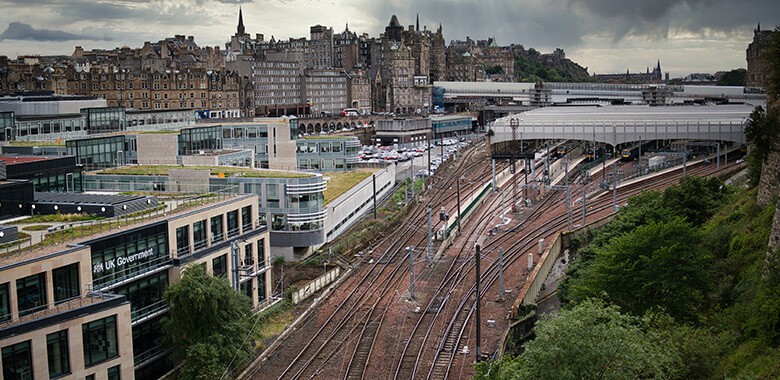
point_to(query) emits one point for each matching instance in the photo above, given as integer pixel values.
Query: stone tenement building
(403, 83)
(650, 77)
(757, 65)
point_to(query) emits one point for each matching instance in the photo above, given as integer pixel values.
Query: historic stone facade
(758, 66)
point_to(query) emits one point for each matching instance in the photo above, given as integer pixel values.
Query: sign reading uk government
(120, 261)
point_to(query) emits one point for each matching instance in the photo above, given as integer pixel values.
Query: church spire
(240, 29)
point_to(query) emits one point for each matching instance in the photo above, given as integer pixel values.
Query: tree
(208, 324)
(696, 199)
(736, 77)
(761, 131)
(589, 341)
(659, 266)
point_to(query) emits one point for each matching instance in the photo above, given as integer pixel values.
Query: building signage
(120, 261)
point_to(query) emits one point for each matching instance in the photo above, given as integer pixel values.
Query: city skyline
(604, 35)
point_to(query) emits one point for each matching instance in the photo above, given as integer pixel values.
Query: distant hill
(530, 66)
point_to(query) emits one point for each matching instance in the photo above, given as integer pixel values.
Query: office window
(246, 288)
(5, 303)
(199, 234)
(31, 293)
(246, 218)
(248, 259)
(219, 266)
(100, 340)
(113, 373)
(261, 254)
(232, 223)
(90, 377)
(261, 288)
(57, 352)
(146, 294)
(17, 361)
(183, 240)
(217, 234)
(66, 282)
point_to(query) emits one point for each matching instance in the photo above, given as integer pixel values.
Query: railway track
(347, 339)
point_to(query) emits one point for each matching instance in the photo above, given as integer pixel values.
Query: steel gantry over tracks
(620, 124)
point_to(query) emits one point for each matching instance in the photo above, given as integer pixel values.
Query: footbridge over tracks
(621, 124)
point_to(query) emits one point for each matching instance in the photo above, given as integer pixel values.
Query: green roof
(227, 171)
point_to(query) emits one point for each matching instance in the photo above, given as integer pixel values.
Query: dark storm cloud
(657, 18)
(19, 31)
(547, 24)
(564, 23)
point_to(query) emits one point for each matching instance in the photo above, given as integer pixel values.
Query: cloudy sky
(604, 35)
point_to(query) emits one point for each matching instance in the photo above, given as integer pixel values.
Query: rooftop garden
(340, 182)
(227, 171)
(37, 143)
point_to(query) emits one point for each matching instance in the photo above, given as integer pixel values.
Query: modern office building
(47, 174)
(403, 132)
(91, 308)
(290, 203)
(448, 126)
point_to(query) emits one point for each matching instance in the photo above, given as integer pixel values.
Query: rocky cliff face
(769, 188)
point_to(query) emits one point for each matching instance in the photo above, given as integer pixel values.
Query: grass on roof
(340, 182)
(36, 143)
(162, 170)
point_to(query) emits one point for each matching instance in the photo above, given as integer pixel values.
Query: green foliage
(493, 70)
(530, 67)
(592, 340)
(658, 266)
(761, 131)
(695, 199)
(207, 324)
(736, 77)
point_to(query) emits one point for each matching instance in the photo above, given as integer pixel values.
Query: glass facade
(327, 155)
(98, 153)
(192, 140)
(31, 293)
(6, 126)
(104, 120)
(145, 295)
(147, 340)
(100, 340)
(17, 361)
(129, 254)
(58, 353)
(66, 282)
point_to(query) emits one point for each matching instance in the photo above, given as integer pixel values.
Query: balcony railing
(131, 273)
(148, 310)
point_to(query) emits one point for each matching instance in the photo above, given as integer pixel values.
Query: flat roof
(162, 170)
(10, 160)
(632, 114)
(15, 257)
(85, 199)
